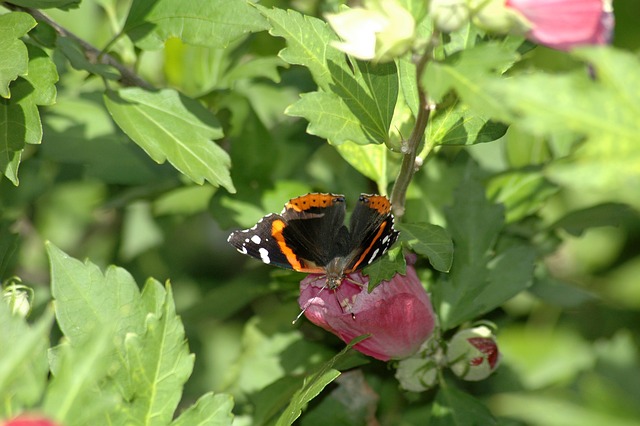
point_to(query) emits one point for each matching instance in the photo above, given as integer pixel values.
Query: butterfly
(310, 236)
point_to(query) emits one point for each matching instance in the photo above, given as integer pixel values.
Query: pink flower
(29, 420)
(564, 24)
(397, 313)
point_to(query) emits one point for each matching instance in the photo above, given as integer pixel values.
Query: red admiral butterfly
(310, 236)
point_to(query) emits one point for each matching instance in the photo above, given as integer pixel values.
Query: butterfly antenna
(304, 309)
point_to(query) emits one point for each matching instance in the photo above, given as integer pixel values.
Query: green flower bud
(495, 16)
(420, 372)
(473, 354)
(17, 297)
(449, 15)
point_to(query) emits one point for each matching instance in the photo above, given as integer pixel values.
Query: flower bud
(473, 354)
(449, 15)
(382, 31)
(420, 372)
(495, 16)
(17, 297)
(397, 313)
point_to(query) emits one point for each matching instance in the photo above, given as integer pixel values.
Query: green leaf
(453, 407)
(42, 75)
(9, 158)
(198, 70)
(72, 397)
(370, 160)
(22, 116)
(144, 352)
(356, 99)
(87, 301)
(210, 409)
(15, 58)
(474, 222)
(559, 293)
(607, 214)
(466, 72)
(522, 192)
(47, 4)
(351, 401)
(78, 59)
(452, 122)
(213, 23)
(271, 399)
(185, 200)
(19, 115)
(480, 280)
(140, 232)
(408, 83)
(457, 124)
(261, 67)
(510, 272)
(307, 43)
(81, 133)
(431, 241)
(169, 126)
(313, 385)
(602, 109)
(359, 108)
(158, 359)
(329, 118)
(23, 369)
(386, 268)
(252, 144)
(8, 244)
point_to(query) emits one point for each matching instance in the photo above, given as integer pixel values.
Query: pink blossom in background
(564, 24)
(397, 313)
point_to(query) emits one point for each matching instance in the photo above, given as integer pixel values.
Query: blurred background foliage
(569, 344)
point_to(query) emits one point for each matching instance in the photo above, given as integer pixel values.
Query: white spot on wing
(256, 239)
(264, 255)
(373, 256)
(385, 239)
(242, 250)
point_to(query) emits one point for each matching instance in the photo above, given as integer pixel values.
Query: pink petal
(397, 314)
(563, 24)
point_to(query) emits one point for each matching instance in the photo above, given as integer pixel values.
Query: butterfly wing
(315, 228)
(372, 232)
(261, 243)
(301, 237)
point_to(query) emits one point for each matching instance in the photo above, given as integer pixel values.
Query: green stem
(93, 54)
(410, 148)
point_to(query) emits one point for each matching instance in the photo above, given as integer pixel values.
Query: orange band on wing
(308, 201)
(276, 231)
(373, 241)
(379, 203)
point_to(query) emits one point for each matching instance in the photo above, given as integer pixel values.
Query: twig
(410, 149)
(93, 54)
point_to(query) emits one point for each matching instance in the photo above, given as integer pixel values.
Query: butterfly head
(335, 272)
